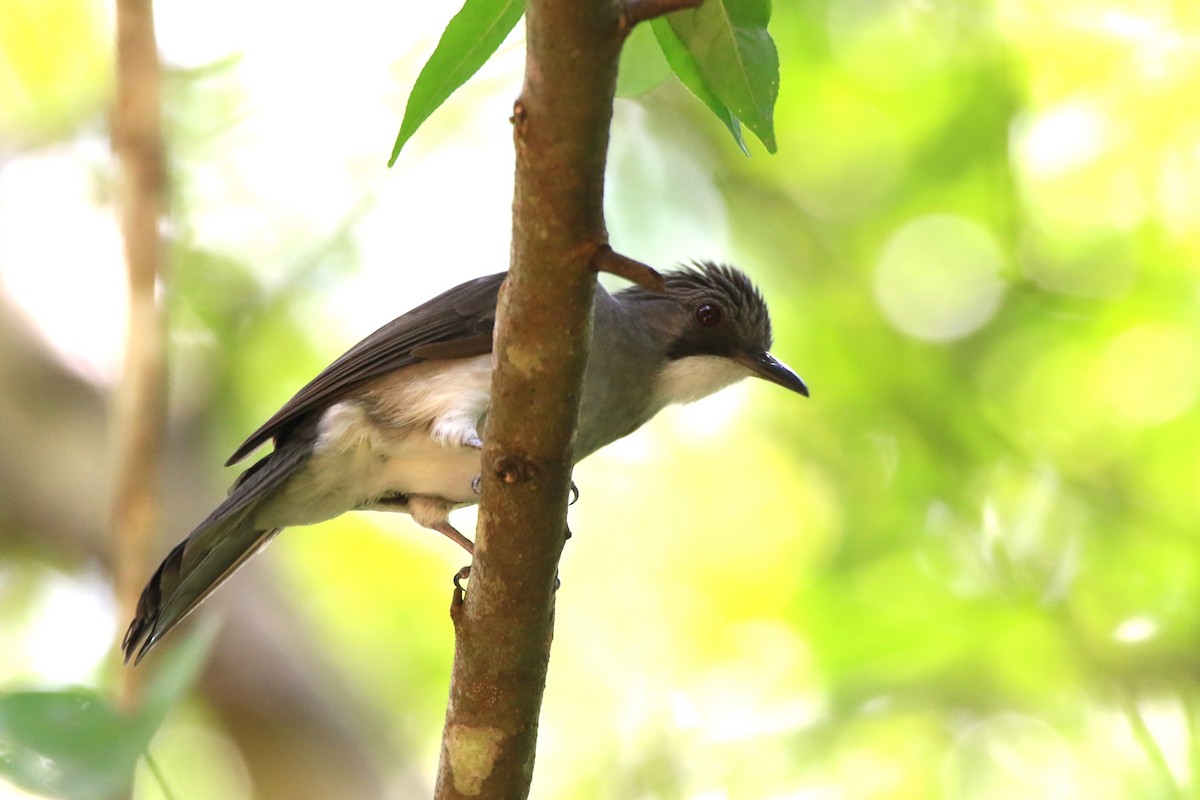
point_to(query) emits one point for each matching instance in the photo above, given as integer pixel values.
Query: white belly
(333, 482)
(359, 459)
(426, 467)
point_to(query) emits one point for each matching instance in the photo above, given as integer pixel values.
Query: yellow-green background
(967, 567)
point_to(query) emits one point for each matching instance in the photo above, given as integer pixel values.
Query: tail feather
(182, 582)
(211, 553)
(149, 604)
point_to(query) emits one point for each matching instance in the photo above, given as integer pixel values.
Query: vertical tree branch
(505, 624)
(140, 412)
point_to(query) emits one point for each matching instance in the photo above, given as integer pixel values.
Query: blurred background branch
(140, 413)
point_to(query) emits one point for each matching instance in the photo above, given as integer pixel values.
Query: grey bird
(397, 423)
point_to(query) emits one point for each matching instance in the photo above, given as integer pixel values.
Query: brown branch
(505, 625)
(140, 414)
(636, 11)
(608, 260)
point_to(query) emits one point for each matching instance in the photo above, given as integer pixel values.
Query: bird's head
(720, 332)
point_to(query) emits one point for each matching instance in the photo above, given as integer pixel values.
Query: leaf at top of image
(736, 57)
(469, 40)
(685, 68)
(643, 66)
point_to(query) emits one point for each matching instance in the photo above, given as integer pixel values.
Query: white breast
(688, 379)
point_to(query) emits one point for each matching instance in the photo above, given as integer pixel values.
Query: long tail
(210, 553)
(178, 587)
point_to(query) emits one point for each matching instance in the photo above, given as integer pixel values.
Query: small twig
(141, 408)
(636, 11)
(608, 260)
(159, 777)
(1192, 714)
(1149, 744)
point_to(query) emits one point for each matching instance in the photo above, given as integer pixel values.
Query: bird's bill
(769, 368)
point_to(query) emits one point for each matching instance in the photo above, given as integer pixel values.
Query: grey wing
(455, 324)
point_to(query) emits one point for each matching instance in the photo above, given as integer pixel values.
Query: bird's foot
(465, 574)
(477, 481)
(460, 576)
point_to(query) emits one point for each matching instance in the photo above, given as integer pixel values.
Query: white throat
(688, 379)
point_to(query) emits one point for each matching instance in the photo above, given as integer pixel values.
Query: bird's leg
(464, 573)
(434, 513)
(452, 533)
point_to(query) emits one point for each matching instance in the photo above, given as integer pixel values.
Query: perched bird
(397, 423)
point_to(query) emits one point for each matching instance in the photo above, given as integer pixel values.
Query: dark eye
(708, 315)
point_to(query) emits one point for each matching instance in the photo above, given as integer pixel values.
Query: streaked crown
(727, 314)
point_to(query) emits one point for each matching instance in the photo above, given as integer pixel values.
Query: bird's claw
(460, 576)
(477, 481)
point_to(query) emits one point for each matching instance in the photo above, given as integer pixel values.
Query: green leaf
(467, 43)
(69, 744)
(688, 72)
(72, 744)
(642, 64)
(736, 57)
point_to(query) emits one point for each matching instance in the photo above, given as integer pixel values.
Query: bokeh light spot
(1149, 373)
(939, 277)
(1062, 138)
(1136, 629)
(61, 260)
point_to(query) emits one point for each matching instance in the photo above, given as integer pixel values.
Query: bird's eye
(708, 315)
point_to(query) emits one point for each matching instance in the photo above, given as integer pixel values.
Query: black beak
(769, 368)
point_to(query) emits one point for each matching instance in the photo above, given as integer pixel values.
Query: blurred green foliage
(968, 567)
(73, 744)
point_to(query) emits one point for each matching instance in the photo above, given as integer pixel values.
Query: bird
(397, 423)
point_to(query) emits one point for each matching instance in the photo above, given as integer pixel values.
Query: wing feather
(455, 324)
